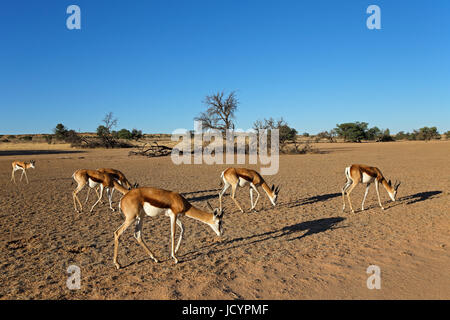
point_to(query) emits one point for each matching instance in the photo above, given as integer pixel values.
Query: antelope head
(273, 198)
(394, 188)
(217, 223)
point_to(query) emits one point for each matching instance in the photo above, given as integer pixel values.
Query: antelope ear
(389, 182)
(218, 213)
(273, 186)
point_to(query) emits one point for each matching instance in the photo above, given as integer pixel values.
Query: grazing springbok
(152, 201)
(118, 175)
(93, 178)
(235, 177)
(20, 165)
(358, 173)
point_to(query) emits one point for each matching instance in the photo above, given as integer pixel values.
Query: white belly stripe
(366, 178)
(242, 182)
(152, 211)
(92, 184)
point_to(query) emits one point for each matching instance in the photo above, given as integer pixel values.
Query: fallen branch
(153, 151)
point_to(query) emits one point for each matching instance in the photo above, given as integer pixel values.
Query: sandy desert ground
(304, 248)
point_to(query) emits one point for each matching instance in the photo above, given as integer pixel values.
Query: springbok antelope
(93, 178)
(152, 201)
(20, 165)
(118, 175)
(358, 173)
(235, 177)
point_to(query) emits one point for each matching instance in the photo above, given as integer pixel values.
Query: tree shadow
(420, 196)
(312, 227)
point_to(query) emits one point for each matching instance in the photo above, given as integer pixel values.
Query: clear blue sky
(151, 63)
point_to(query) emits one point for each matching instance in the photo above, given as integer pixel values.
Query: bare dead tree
(104, 131)
(220, 112)
(109, 121)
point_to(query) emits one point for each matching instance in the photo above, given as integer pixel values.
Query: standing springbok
(93, 178)
(235, 177)
(358, 173)
(152, 202)
(20, 165)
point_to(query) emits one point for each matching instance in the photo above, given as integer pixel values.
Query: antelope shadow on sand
(201, 191)
(420, 196)
(202, 198)
(295, 230)
(411, 199)
(311, 200)
(311, 227)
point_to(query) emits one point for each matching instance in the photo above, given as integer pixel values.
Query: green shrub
(60, 131)
(401, 135)
(426, 133)
(136, 134)
(352, 131)
(124, 134)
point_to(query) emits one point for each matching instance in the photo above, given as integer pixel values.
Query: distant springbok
(358, 173)
(20, 165)
(235, 177)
